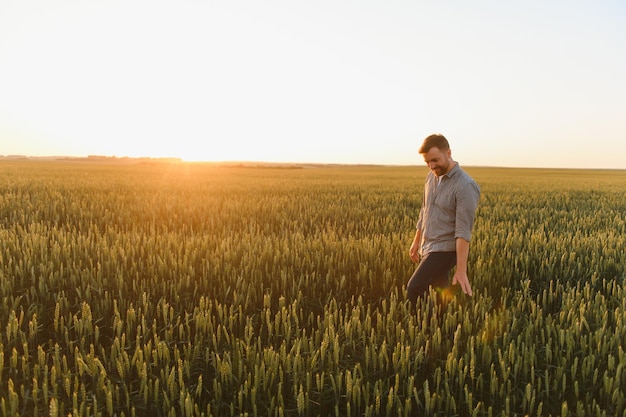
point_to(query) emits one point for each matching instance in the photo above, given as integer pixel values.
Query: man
(445, 222)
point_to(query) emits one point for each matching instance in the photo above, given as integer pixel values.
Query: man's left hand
(462, 279)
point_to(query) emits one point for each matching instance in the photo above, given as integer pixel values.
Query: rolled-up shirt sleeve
(467, 198)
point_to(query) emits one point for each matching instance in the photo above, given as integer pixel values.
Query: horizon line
(175, 159)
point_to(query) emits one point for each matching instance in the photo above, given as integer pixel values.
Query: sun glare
(207, 152)
(226, 150)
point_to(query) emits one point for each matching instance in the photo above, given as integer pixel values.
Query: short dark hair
(435, 140)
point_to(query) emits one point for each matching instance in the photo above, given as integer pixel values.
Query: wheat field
(173, 289)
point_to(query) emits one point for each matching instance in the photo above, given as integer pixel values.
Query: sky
(517, 84)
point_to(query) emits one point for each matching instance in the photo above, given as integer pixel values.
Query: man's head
(437, 154)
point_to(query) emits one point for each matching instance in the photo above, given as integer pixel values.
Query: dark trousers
(432, 271)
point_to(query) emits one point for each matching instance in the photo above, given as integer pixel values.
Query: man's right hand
(414, 252)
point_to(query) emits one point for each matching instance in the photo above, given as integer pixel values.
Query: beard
(441, 169)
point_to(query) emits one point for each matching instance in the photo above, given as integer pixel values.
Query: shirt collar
(455, 169)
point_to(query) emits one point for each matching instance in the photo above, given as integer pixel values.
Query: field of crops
(199, 290)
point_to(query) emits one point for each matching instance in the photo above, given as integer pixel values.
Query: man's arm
(414, 251)
(460, 276)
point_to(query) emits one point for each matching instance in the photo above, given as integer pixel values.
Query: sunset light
(312, 208)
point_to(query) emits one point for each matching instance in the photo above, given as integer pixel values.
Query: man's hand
(461, 279)
(460, 276)
(414, 252)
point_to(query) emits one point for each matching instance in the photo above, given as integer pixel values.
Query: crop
(156, 289)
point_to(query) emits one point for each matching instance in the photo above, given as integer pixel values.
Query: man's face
(438, 161)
